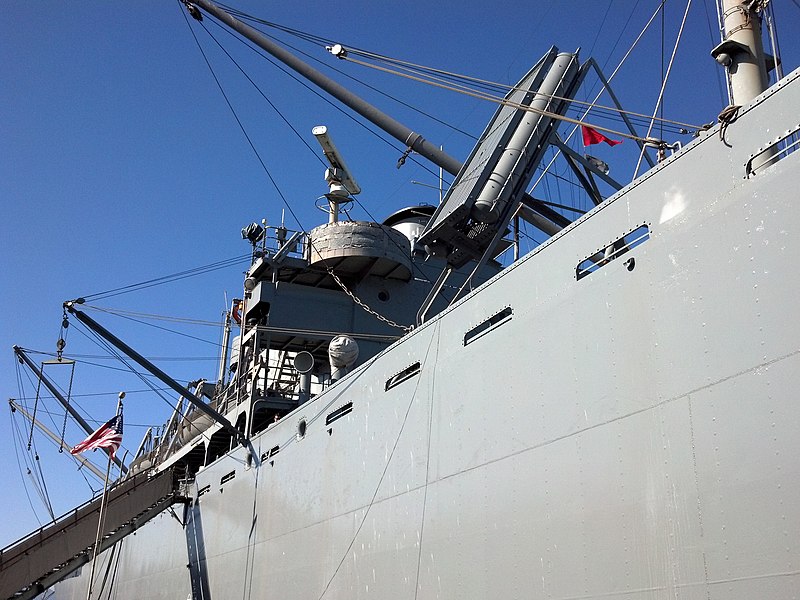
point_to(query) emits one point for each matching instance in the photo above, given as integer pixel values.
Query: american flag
(108, 436)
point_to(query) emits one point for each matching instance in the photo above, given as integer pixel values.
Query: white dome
(343, 351)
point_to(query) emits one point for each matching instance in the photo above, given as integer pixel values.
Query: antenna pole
(102, 515)
(226, 340)
(741, 52)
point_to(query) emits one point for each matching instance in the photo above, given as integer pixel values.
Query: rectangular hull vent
(488, 325)
(785, 145)
(339, 413)
(614, 250)
(402, 376)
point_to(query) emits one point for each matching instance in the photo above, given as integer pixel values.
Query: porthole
(383, 296)
(301, 429)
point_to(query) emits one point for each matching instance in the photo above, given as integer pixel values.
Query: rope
(201, 270)
(142, 376)
(600, 93)
(130, 313)
(109, 565)
(263, 95)
(17, 434)
(320, 41)
(726, 117)
(427, 465)
(447, 76)
(94, 337)
(423, 363)
(116, 566)
(127, 392)
(503, 102)
(464, 89)
(664, 84)
(35, 406)
(180, 333)
(46, 494)
(35, 473)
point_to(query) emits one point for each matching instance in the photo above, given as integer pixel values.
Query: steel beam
(58, 396)
(161, 375)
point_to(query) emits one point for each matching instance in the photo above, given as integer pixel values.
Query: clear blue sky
(120, 162)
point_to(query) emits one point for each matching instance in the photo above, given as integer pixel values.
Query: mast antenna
(341, 183)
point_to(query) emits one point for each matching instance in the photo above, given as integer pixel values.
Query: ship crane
(341, 183)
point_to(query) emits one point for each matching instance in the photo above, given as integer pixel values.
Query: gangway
(46, 556)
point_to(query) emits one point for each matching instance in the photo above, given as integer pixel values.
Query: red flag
(591, 136)
(108, 436)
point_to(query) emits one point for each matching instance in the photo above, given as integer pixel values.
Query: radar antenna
(341, 183)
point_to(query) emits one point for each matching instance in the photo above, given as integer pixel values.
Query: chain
(62, 335)
(358, 301)
(35, 406)
(66, 410)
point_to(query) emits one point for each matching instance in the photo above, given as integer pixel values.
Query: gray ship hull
(627, 434)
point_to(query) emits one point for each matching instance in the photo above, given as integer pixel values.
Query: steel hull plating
(629, 434)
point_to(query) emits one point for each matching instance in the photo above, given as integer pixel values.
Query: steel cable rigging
(322, 42)
(30, 456)
(327, 100)
(99, 341)
(450, 80)
(18, 443)
(440, 78)
(172, 277)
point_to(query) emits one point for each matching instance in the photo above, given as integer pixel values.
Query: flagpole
(101, 516)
